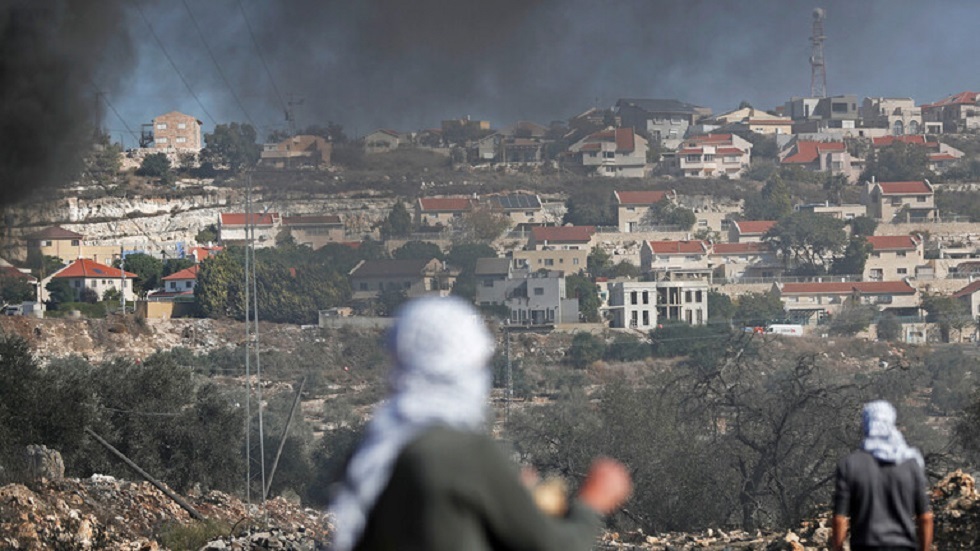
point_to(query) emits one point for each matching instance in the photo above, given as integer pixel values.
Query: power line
(113, 109)
(261, 57)
(221, 72)
(172, 64)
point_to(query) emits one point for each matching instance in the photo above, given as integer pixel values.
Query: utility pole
(510, 376)
(122, 274)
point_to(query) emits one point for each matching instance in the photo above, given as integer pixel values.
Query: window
(575, 262)
(646, 297)
(78, 283)
(608, 154)
(45, 243)
(181, 139)
(549, 262)
(633, 318)
(538, 291)
(181, 125)
(693, 158)
(161, 140)
(703, 223)
(921, 199)
(362, 286)
(74, 243)
(646, 317)
(188, 284)
(697, 296)
(95, 283)
(708, 157)
(633, 297)
(488, 283)
(725, 224)
(688, 296)
(161, 126)
(173, 285)
(901, 254)
(903, 271)
(875, 255)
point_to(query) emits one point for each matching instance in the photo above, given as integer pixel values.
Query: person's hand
(606, 486)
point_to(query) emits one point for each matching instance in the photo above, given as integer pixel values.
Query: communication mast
(818, 71)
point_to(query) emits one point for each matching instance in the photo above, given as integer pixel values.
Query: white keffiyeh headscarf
(440, 347)
(882, 439)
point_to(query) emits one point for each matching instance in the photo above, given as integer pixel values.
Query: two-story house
(744, 260)
(748, 231)
(712, 156)
(750, 119)
(814, 156)
(442, 211)
(297, 152)
(899, 115)
(675, 256)
(314, 231)
(814, 303)
(533, 297)
(665, 120)
(564, 248)
(643, 305)
(893, 257)
(67, 246)
(613, 152)
(957, 113)
(234, 228)
(89, 274)
(847, 211)
(633, 207)
(970, 297)
(414, 277)
(177, 286)
(173, 130)
(900, 201)
(833, 114)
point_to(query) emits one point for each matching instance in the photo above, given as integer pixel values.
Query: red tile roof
(892, 242)
(84, 267)
(739, 248)
(713, 139)
(749, 227)
(14, 273)
(562, 234)
(955, 99)
(808, 151)
(691, 150)
(911, 139)
(640, 197)
(55, 232)
(905, 188)
(941, 157)
(729, 151)
(678, 247)
(845, 288)
(186, 273)
(200, 253)
(625, 140)
(241, 219)
(973, 287)
(428, 204)
(327, 219)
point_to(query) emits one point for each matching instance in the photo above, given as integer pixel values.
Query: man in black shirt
(882, 488)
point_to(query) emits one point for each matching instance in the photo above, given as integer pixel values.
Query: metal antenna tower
(818, 70)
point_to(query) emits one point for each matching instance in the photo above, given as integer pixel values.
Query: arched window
(913, 127)
(898, 128)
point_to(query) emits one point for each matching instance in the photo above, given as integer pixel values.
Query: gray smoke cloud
(51, 53)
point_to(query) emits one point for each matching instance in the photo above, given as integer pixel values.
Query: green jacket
(457, 491)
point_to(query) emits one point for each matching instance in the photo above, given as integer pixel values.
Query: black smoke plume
(54, 55)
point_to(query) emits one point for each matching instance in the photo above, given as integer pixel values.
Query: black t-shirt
(882, 499)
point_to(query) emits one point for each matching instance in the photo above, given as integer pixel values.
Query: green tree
(60, 291)
(418, 250)
(626, 348)
(949, 313)
(834, 185)
(625, 268)
(148, 272)
(389, 300)
(208, 235)
(582, 288)
(720, 307)
(590, 207)
(897, 162)
(854, 258)
(773, 203)
(398, 223)
(103, 162)
(586, 349)
(174, 265)
(668, 214)
(14, 290)
(889, 327)
(464, 257)
(757, 309)
(863, 225)
(155, 165)
(483, 225)
(599, 262)
(852, 319)
(232, 145)
(809, 240)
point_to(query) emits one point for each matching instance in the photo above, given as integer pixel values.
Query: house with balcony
(315, 231)
(829, 157)
(666, 121)
(748, 231)
(613, 152)
(414, 277)
(899, 115)
(88, 274)
(847, 211)
(953, 114)
(564, 248)
(893, 257)
(633, 207)
(900, 201)
(712, 156)
(814, 303)
(835, 114)
(520, 143)
(533, 297)
(234, 228)
(442, 211)
(643, 305)
(680, 259)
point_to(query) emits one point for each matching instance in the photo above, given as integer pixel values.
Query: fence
(788, 279)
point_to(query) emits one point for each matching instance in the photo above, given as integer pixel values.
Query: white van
(788, 329)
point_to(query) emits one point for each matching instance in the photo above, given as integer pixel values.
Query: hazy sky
(407, 64)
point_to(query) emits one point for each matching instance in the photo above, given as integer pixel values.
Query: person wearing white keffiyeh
(427, 476)
(882, 488)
